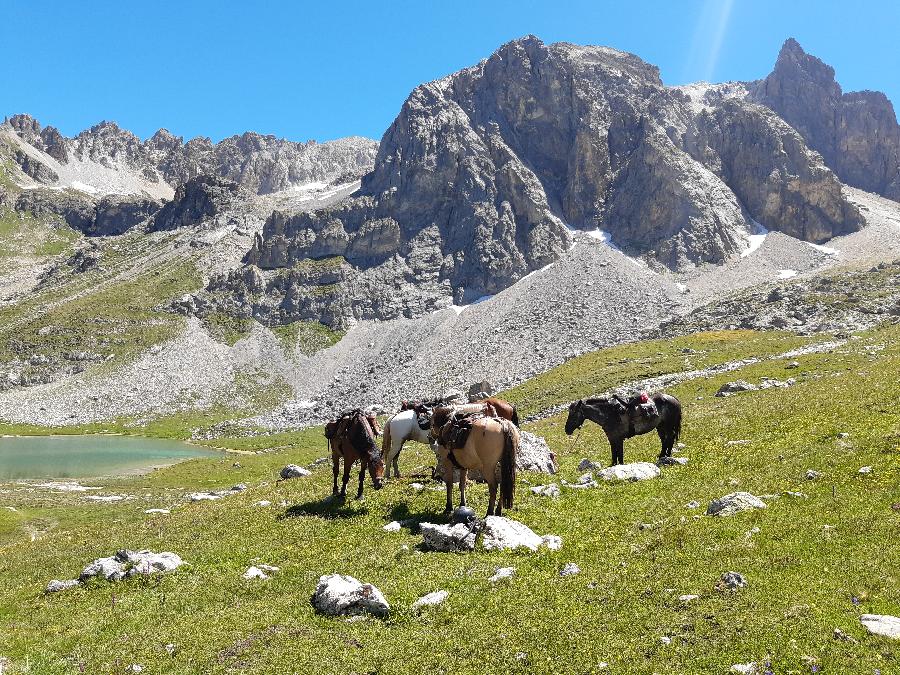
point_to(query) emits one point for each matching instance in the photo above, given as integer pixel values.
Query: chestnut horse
(352, 437)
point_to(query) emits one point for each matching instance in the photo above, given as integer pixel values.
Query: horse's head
(576, 417)
(368, 429)
(373, 422)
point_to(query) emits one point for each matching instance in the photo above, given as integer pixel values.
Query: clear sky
(324, 69)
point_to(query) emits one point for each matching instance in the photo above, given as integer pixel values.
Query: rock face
(856, 133)
(199, 199)
(734, 503)
(449, 538)
(480, 174)
(338, 594)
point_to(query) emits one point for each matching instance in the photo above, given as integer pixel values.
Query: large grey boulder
(630, 472)
(338, 594)
(534, 454)
(734, 503)
(449, 538)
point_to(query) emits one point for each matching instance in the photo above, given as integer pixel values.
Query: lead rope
(577, 436)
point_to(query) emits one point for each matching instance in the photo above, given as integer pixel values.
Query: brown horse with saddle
(475, 436)
(352, 436)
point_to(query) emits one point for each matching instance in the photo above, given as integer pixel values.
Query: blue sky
(323, 70)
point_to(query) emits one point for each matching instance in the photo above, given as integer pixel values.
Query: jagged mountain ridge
(260, 164)
(481, 175)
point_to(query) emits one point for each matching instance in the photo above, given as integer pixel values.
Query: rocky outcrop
(480, 174)
(117, 215)
(201, 198)
(856, 133)
(109, 215)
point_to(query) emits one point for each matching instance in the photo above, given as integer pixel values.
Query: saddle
(332, 427)
(636, 407)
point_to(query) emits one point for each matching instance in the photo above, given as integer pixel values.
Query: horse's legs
(463, 473)
(618, 451)
(492, 498)
(396, 459)
(346, 479)
(448, 481)
(363, 465)
(335, 460)
(666, 442)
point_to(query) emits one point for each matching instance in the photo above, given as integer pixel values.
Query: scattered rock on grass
(393, 526)
(589, 465)
(57, 586)
(552, 542)
(731, 581)
(159, 511)
(534, 454)
(734, 503)
(339, 594)
(448, 538)
(672, 461)
(630, 472)
(130, 563)
(504, 534)
(503, 574)
(745, 668)
(294, 471)
(430, 600)
(260, 572)
(693, 504)
(735, 387)
(551, 490)
(882, 624)
(865, 470)
(838, 634)
(203, 496)
(812, 474)
(569, 570)
(687, 597)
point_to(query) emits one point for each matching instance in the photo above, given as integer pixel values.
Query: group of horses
(483, 436)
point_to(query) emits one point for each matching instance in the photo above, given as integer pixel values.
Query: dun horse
(492, 443)
(353, 437)
(619, 424)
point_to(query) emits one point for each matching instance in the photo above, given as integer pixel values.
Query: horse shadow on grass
(330, 508)
(411, 521)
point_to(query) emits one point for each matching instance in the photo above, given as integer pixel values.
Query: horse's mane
(361, 433)
(596, 401)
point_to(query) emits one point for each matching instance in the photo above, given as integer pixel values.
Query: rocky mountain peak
(856, 133)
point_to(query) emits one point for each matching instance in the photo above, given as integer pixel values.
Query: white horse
(402, 427)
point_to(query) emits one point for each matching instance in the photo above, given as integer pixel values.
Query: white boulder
(260, 572)
(734, 503)
(882, 624)
(393, 526)
(551, 490)
(130, 563)
(534, 454)
(630, 472)
(338, 594)
(569, 570)
(502, 534)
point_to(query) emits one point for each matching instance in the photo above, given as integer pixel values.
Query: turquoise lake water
(88, 456)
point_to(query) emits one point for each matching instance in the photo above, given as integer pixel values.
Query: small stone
(57, 586)
(254, 572)
(418, 487)
(136, 668)
(393, 526)
(338, 594)
(884, 625)
(865, 470)
(263, 502)
(294, 471)
(159, 511)
(551, 490)
(843, 434)
(240, 487)
(552, 542)
(687, 597)
(203, 496)
(734, 503)
(745, 668)
(430, 600)
(812, 474)
(838, 634)
(588, 465)
(672, 461)
(731, 581)
(170, 649)
(503, 574)
(666, 640)
(693, 504)
(735, 387)
(793, 364)
(448, 538)
(570, 569)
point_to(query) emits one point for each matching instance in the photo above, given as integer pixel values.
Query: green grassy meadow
(638, 546)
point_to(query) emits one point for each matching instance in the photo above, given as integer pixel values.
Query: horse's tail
(515, 416)
(508, 467)
(676, 429)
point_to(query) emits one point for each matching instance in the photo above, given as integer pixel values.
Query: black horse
(619, 422)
